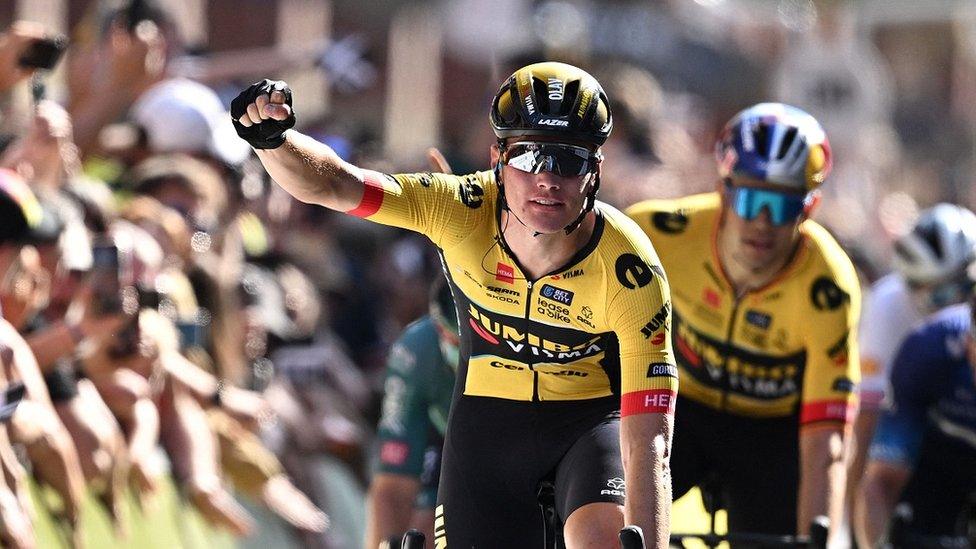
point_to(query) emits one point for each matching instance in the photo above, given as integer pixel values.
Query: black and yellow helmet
(553, 99)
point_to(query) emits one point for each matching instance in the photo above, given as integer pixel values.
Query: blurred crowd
(248, 342)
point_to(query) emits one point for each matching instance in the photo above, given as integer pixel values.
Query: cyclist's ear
(811, 207)
(496, 153)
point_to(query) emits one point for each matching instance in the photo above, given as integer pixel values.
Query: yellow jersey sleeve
(639, 313)
(443, 207)
(833, 367)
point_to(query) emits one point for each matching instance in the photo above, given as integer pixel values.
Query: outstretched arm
(308, 170)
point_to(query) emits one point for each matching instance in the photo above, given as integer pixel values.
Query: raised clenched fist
(262, 113)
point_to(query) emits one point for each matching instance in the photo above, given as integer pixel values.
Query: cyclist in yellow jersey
(556, 380)
(765, 309)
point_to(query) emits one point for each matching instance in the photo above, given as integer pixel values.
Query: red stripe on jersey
(372, 196)
(652, 401)
(827, 410)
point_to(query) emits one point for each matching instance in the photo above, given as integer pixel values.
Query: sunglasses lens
(562, 160)
(783, 208)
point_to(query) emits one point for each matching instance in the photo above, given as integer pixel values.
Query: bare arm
(645, 445)
(821, 476)
(389, 505)
(308, 170)
(880, 489)
(191, 445)
(864, 425)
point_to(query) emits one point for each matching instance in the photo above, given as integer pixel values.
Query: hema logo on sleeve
(616, 487)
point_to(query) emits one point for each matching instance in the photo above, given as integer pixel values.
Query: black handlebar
(413, 539)
(631, 537)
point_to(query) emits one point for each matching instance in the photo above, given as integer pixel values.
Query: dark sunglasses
(749, 202)
(558, 158)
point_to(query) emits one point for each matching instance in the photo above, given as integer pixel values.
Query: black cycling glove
(270, 133)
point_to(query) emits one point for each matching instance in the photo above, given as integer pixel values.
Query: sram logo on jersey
(495, 332)
(562, 296)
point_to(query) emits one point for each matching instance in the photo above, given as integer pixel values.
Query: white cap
(181, 115)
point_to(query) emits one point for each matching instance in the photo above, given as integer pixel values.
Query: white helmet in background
(939, 248)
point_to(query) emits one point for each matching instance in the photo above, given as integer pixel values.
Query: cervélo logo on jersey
(499, 330)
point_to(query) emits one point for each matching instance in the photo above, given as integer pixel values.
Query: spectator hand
(437, 161)
(289, 503)
(247, 407)
(12, 46)
(263, 113)
(146, 478)
(220, 508)
(136, 58)
(16, 529)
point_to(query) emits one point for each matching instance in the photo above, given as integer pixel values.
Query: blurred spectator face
(25, 286)
(760, 229)
(185, 184)
(164, 224)
(176, 194)
(544, 201)
(23, 282)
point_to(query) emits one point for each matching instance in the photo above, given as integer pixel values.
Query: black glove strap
(270, 133)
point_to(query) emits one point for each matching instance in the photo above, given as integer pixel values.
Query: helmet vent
(572, 89)
(761, 140)
(787, 141)
(931, 237)
(902, 251)
(541, 93)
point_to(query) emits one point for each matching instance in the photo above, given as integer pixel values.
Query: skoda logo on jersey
(633, 272)
(562, 296)
(827, 295)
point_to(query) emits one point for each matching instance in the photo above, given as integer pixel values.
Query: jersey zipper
(728, 344)
(528, 322)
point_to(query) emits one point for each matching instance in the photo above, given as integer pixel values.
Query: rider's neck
(539, 255)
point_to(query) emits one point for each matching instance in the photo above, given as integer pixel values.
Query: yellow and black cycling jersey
(787, 348)
(593, 329)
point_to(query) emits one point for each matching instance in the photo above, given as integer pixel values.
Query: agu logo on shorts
(615, 487)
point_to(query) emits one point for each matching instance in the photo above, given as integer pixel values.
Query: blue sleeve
(914, 380)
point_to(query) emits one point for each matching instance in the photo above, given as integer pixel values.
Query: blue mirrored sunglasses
(749, 202)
